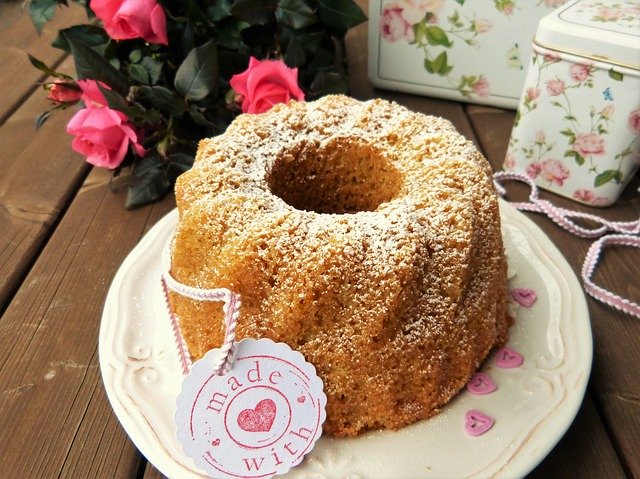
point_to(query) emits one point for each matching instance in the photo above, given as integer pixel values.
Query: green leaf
(43, 67)
(134, 111)
(42, 117)
(606, 177)
(437, 36)
(41, 12)
(198, 117)
(150, 182)
(91, 65)
(340, 14)
(420, 33)
(91, 35)
(461, 2)
(255, 12)
(219, 10)
(153, 68)
(567, 132)
(161, 98)
(198, 75)
(579, 158)
(295, 14)
(135, 56)
(325, 83)
(295, 55)
(138, 73)
(181, 161)
(428, 65)
(615, 75)
(440, 65)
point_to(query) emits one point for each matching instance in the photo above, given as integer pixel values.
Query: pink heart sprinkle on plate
(524, 296)
(476, 422)
(508, 358)
(481, 383)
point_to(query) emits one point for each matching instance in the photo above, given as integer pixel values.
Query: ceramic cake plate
(533, 405)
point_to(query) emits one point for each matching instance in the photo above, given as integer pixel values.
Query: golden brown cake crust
(363, 235)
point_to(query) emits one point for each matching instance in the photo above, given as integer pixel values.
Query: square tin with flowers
(577, 128)
(465, 50)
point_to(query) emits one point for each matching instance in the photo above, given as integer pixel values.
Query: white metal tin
(473, 50)
(577, 128)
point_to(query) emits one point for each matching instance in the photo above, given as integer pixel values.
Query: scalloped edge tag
(259, 419)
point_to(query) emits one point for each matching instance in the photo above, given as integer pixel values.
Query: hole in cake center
(342, 176)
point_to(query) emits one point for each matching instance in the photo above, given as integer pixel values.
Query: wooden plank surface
(18, 38)
(52, 399)
(40, 173)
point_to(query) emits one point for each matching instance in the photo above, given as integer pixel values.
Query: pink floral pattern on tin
(584, 141)
(425, 25)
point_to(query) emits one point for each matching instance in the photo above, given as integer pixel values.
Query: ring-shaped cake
(362, 234)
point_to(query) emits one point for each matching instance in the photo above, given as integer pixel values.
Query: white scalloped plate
(533, 405)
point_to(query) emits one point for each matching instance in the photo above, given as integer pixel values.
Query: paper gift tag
(257, 420)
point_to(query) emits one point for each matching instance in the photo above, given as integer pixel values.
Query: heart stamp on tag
(507, 358)
(477, 423)
(481, 383)
(257, 420)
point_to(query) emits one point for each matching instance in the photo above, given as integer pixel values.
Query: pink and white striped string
(231, 310)
(623, 233)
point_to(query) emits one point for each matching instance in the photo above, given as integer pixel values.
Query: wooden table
(64, 233)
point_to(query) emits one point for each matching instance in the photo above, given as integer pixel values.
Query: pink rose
(532, 93)
(103, 135)
(554, 3)
(554, 171)
(91, 94)
(63, 91)
(555, 87)
(610, 14)
(482, 25)
(634, 121)
(509, 161)
(588, 144)
(551, 57)
(265, 83)
(393, 25)
(588, 196)
(607, 111)
(127, 19)
(579, 73)
(533, 170)
(481, 87)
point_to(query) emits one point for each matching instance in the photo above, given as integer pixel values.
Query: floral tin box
(577, 127)
(468, 50)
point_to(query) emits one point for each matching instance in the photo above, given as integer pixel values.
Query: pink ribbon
(231, 310)
(623, 233)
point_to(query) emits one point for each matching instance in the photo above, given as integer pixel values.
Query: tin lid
(606, 30)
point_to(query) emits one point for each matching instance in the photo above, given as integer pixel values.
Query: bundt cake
(363, 235)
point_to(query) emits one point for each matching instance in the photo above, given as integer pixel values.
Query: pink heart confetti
(508, 358)
(476, 422)
(481, 383)
(524, 296)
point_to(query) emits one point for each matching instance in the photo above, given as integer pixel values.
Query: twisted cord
(231, 310)
(624, 233)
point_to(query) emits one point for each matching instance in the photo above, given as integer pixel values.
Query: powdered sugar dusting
(359, 233)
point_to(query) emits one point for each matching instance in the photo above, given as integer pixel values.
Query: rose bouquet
(156, 76)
